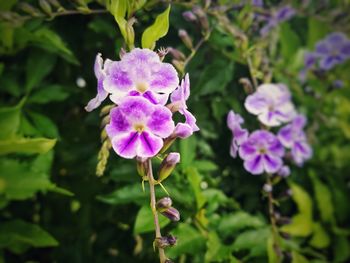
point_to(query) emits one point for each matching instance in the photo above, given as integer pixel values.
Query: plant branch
(151, 182)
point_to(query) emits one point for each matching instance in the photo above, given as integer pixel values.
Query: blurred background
(53, 207)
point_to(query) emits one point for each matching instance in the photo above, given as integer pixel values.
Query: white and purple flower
(292, 136)
(272, 104)
(280, 15)
(239, 135)
(262, 152)
(139, 73)
(137, 127)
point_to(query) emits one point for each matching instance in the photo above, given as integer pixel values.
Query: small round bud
(166, 241)
(164, 203)
(186, 38)
(267, 188)
(284, 171)
(177, 54)
(168, 165)
(171, 213)
(189, 16)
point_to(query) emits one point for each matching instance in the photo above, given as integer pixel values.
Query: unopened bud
(284, 171)
(27, 8)
(267, 188)
(168, 165)
(176, 54)
(186, 39)
(171, 213)
(45, 6)
(141, 166)
(166, 241)
(130, 33)
(164, 203)
(202, 16)
(179, 65)
(189, 16)
(247, 85)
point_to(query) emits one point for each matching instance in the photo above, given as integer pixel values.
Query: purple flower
(261, 152)
(239, 135)
(282, 14)
(178, 99)
(293, 137)
(139, 73)
(137, 127)
(100, 75)
(272, 104)
(333, 50)
(284, 171)
(310, 59)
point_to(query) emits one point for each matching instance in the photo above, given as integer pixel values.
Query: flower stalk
(151, 181)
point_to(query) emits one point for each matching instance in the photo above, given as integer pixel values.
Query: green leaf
(231, 223)
(44, 124)
(290, 42)
(341, 249)
(215, 77)
(118, 9)
(144, 220)
(301, 225)
(48, 94)
(316, 31)
(302, 199)
(17, 235)
(125, 195)
(19, 180)
(187, 151)
(156, 31)
(271, 253)
(26, 145)
(253, 240)
(39, 65)
(205, 166)
(10, 120)
(195, 180)
(216, 251)
(320, 238)
(190, 241)
(324, 198)
(297, 258)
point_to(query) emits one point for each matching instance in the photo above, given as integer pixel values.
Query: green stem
(151, 182)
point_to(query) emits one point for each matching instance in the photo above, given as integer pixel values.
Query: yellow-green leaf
(156, 31)
(26, 145)
(320, 238)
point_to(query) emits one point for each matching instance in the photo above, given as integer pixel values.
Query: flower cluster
(334, 49)
(262, 150)
(140, 85)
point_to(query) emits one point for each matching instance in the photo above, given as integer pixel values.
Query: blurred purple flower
(178, 99)
(284, 171)
(137, 127)
(292, 136)
(239, 135)
(280, 15)
(272, 104)
(310, 59)
(261, 152)
(139, 73)
(258, 3)
(333, 50)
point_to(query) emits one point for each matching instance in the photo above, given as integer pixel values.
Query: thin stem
(275, 235)
(251, 71)
(151, 182)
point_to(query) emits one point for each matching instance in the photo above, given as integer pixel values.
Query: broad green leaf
(26, 145)
(341, 249)
(19, 235)
(324, 198)
(19, 181)
(290, 42)
(316, 31)
(253, 240)
(195, 180)
(118, 9)
(216, 251)
(320, 238)
(156, 31)
(205, 166)
(48, 94)
(189, 241)
(128, 194)
(39, 65)
(298, 258)
(44, 124)
(187, 151)
(10, 120)
(302, 199)
(271, 253)
(231, 223)
(301, 225)
(144, 220)
(52, 42)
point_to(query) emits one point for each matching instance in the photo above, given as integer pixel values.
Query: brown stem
(275, 235)
(151, 181)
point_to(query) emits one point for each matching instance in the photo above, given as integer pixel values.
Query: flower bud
(179, 65)
(186, 39)
(141, 167)
(168, 165)
(177, 54)
(284, 171)
(164, 203)
(171, 213)
(189, 16)
(203, 19)
(166, 241)
(267, 188)
(45, 6)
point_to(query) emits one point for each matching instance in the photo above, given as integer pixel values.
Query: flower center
(141, 87)
(262, 151)
(139, 127)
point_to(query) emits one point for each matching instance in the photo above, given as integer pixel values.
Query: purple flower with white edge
(137, 127)
(272, 104)
(282, 14)
(239, 135)
(178, 103)
(333, 50)
(262, 152)
(293, 137)
(100, 75)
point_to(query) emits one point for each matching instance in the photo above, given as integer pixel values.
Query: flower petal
(247, 151)
(136, 109)
(118, 124)
(254, 165)
(272, 163)
(149, 145)
(233, 149)
(118, 78)
(126, 144)
(182, 131)
(160, 122)
(256, 103)
(164, 79)
(301, 151)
